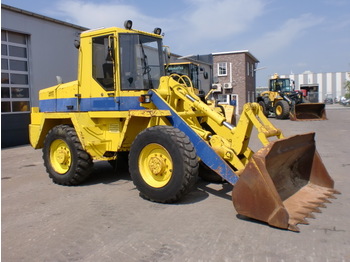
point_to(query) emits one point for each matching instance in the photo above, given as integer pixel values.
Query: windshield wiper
(147, 69)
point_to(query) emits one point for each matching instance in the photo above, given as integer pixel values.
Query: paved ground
(106, 220)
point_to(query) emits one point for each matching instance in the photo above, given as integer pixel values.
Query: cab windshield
(283, 85)
(141, 60)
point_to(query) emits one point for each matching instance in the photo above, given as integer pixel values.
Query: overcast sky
(285, 36)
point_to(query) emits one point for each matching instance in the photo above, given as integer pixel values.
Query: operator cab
(186, 68)
(281, 85)
(141, 61)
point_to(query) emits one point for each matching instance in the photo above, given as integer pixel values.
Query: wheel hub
(62, 156)
(278, 110)
(156, 165)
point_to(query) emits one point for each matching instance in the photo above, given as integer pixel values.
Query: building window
(248, 68)
(222, 69)
(252, 69)
(14, 73)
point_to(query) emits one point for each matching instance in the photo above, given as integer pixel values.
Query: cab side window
(102, 61)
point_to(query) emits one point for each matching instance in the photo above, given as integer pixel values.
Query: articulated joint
(221, 147)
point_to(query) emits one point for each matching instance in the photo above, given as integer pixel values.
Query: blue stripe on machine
(90, 104)
(48, 105)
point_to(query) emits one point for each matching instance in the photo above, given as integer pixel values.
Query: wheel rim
(156, 165)
(60, 156)
(279, 110)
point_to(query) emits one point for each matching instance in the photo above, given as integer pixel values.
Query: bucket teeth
(315, 209)
(331, 196)
(314, 204)
(330, 193)
(327, 201)
(306, 214)
(334, 191)
(323, 205)
(319, 203)
(303, 221)
(310, 215)
(298, 219)
(299, 208)
(294, 228)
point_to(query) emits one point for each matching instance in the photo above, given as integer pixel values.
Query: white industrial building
(321, 84)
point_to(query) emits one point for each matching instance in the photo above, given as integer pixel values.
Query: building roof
(24, 12)
(190, 58)
(237, 52)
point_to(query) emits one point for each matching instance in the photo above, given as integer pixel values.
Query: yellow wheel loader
(123, 102)
(192, 70)
(283, 102)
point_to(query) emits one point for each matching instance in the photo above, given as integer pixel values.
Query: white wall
(50, 48)
(329, 83)
(51, 52)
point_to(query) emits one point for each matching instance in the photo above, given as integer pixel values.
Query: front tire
(163, 164)
(64, 157)
(282, 109)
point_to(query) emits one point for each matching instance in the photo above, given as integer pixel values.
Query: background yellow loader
(284, 102)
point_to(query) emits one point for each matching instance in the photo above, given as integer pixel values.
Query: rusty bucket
(308, 111)
(284, 183)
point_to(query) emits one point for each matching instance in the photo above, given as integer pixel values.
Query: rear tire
(64, 157)
(282, 109)
(264, 109)
(163, 164)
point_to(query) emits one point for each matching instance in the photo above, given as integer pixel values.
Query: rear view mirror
(167, 55)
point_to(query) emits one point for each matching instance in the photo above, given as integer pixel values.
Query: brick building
(235, 73)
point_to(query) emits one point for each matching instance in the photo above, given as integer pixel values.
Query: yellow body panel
(67, 90)
(100, 132)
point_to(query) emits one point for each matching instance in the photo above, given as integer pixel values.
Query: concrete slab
(105, 219)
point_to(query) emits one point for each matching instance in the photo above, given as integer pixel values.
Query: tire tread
(190, 162)
(84, 161)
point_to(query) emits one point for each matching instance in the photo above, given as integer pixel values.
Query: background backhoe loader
(284, 102)
(123, 102)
